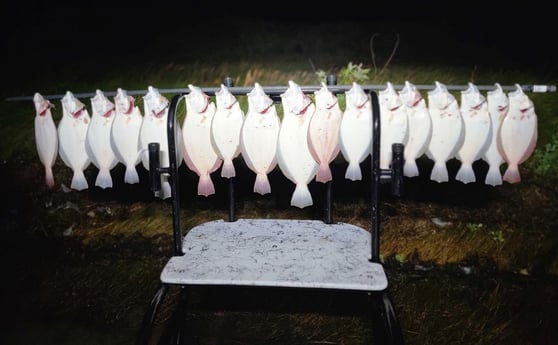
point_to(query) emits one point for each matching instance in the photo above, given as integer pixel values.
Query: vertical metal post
(331, 80)
(375, 183)
(173, 178)
(229, 82)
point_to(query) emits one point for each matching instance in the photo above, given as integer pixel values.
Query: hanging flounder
(225, 129)
(447, 130)
(393, 122)
(323, 132)
(125, 134)
(420, 127)
(199, 154)
(293, 156)
(154, 130)
(72, 131)
(258, 137)
(476, 127)
(518, 133)
(498, 106)
(355, 131)
(97, 141)
(46, 137)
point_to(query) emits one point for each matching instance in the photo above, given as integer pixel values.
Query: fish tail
(262, 185)
(465, 174)
(104, 180)
(205, 185)
(131, 175)
(49, 177)
(301, 196)
(439, 172)
(493, 176)
(79, 182)
(410, 168)
(324, 173)
(227, 170)
(511, 175)
(353, 172)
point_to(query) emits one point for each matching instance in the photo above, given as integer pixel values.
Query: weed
(545, 160)
(348, 74)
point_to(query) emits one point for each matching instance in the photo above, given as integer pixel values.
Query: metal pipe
(243, 90)
(229, 82)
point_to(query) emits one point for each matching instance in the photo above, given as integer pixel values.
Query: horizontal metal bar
(276, 90)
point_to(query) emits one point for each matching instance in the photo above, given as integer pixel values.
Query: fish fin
(49, 177)
(301, 196)
(465, 174)
(104, 180)
(324, 173)
(205, 185)
(511, 175)
(262, 186)
(79, 182)
(353, 172)
(227, 170)
(410, 168)
(439, 173)
(493, 176)
(131, 175)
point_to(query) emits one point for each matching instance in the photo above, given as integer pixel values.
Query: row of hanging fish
(497, 128)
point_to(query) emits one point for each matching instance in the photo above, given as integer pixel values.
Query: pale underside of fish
(258, 138)
(447, 131)
(498, 106)
(420, 128)
(225, 130)
(154, 130)
(97, 141)
(323, 132)
(393, 122)
(125, 134)
(476, 127)
(199, 154)
(46, 137)
(518, 134)
(72, 131)
(293, 156)
(355, 131)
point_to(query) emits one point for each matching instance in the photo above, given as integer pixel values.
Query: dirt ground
(467, 264)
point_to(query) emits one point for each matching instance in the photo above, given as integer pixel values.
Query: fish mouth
(502, 107)
(478, 106)
(303, 110)
(78, 112)
(416, 102)
(160, 113)
(230, 106)
(204, 109)
(109, 112)
(45, 108)
(130, 106)
(332, 105)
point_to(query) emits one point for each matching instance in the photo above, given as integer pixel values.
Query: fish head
(224, 98)
(498, 97)
(356, 97)
(72, 106)
(325, 98)
(197, 100)
(258, 100)
(410, 95)
(440, 96)
(101, 105)
(519, 100)
(155, 103)
(295, 100)
(123, 103)
(389, 97)
(42, 105)
(471, 98)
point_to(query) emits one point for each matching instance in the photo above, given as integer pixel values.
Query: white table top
(277, 253)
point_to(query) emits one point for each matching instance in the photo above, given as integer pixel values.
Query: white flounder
(46, 137)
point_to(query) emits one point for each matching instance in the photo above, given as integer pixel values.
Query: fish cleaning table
(279, 253)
